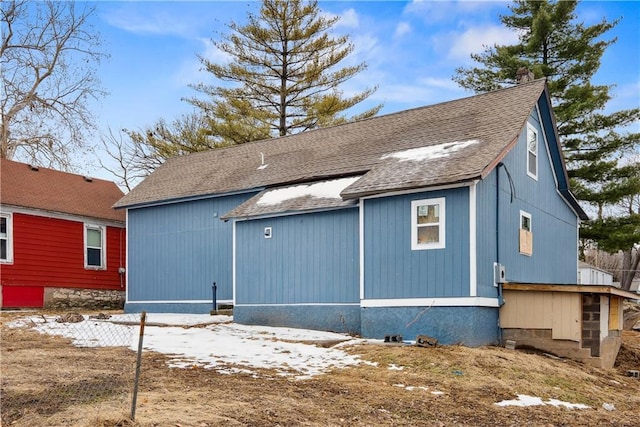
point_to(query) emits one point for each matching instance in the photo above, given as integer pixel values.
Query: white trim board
(206, 301)
(473, 272)
(432, 302)
(302, 304)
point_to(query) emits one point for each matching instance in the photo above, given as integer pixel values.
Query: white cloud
(415, 94)
(440, 83)
(153, 21)
(476, 40)
(401, 29)
(349, 19)
(447, 11)
(190, 71)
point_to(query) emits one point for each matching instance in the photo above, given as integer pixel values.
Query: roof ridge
(390, 114)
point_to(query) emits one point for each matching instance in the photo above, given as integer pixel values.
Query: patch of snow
(209, 342)
(525, 400)
(411, 387)
(393, 367)
(437, 393)
(430, 152)
(608, 407)
(321, 190)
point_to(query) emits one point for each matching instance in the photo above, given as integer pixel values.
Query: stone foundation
(91, 299)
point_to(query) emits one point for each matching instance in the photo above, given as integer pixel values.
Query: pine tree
(596, 145)
(283, 77)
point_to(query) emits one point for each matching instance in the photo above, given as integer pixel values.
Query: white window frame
(8, 238)
(527, 215)
(440, 244)
(103, 249)
(532, 130)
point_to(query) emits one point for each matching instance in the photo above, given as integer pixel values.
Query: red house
(61, 243)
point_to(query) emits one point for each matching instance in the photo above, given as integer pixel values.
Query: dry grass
(471, 381)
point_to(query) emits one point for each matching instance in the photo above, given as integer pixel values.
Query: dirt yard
(442, 386)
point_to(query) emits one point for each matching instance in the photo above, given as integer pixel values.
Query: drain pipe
(499, 285)
(214, 290)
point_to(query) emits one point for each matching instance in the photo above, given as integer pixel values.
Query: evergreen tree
(283, 78)
(597, 148)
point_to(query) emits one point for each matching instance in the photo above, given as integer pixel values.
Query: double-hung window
(428, 224)
(532, 152)
(6, 238)
(95, 247)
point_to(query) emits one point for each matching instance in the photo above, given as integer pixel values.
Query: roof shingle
(494, 120)
(55, 191)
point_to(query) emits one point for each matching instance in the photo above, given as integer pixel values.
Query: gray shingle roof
(492, 121)
(295, 198)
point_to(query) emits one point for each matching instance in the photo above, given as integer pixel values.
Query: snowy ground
(215, 342)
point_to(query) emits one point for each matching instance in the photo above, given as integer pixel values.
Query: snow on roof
(431, 152)
(320, 190)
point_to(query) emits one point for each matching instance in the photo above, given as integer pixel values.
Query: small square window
(427, 224)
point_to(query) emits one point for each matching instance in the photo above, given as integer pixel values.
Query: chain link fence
(68, 369)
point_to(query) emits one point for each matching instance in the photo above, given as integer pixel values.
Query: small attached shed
(581, 322)
(591, 275)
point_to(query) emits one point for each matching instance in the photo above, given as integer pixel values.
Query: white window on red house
(94, 254)
(427, 224)
(6, 243)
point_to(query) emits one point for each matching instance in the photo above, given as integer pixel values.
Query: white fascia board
(473, 272)
(419, 190)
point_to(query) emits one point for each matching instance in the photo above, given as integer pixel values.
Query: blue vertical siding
(176, 251)
(305, 276)
(393, 270)
(554, 224)
(310, 258)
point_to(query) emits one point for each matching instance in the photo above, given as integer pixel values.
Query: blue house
(403, 224)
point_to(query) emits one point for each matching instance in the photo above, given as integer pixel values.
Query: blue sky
(412, 49)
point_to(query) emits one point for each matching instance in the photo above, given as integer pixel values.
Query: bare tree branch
(47, 56)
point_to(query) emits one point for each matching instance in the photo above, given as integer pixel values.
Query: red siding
(50, 252)
(22, 296)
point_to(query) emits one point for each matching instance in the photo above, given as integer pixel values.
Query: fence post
(143, 319)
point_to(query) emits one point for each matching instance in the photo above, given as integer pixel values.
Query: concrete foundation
(540, 339)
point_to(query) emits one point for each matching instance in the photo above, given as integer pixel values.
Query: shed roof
(25, 186)
(464, 138)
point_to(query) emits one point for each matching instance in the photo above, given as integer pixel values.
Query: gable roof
(22, 185)
(447, 143)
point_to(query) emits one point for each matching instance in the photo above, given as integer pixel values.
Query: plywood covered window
(428, 224)
(532, 152)
(6, 238)
(526, 234)
(95, 247)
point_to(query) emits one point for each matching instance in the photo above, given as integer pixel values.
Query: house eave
(387, 192)
(571, 288)
(186, 198)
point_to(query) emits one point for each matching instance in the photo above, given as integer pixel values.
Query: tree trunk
(629, 268)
